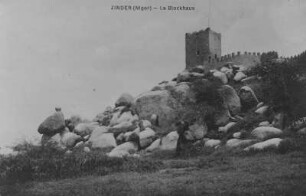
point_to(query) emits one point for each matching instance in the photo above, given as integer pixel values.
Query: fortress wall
(248, 59)
(295, 57)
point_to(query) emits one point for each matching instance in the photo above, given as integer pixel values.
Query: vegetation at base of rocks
(282, 85)
(46, 163)
(205, 171)
(247, 124)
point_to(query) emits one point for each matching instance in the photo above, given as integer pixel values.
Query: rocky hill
(223, 107)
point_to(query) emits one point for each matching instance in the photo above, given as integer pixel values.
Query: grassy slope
(266, 173)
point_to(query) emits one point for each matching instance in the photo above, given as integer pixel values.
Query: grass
(267, 173)
(199, 171)
(46, 163)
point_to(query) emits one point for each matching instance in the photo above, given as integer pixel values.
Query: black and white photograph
(152, 97)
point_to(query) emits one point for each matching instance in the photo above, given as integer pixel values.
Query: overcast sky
(55, 52)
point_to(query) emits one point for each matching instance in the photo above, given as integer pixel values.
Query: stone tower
(202, 48)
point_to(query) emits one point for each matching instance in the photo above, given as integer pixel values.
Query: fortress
(204, 48)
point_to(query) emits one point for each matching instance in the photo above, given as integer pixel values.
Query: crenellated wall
(248, 59)
(295, 57)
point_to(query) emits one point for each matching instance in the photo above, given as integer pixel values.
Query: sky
(81, 55)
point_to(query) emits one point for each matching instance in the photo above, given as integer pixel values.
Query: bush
(44, 163)
(281, 84)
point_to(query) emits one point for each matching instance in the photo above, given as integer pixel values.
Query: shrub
(281, 84)
(44, 163)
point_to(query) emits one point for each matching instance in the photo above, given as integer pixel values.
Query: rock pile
(147, 121)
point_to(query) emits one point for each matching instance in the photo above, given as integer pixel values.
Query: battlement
(248, 59)
(295, 57)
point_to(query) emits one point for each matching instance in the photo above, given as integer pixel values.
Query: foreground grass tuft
(46, 163)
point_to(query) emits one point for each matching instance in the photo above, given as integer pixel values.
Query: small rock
(100, 139)
(79, 144)
(260, 104)
(86, 149)
(212, 143)
(123, 127)
(237, 135)
(221, 76)
(278, 120)
(154, 119)
(84, 129)
(68, 152)
(169, 142)
(264, 124)
(226, 127)
(235, 143)
(266, 132)
(73, 121)
(125, 100)
(119, 118)
(105, 117)
(146, 124)
(197, 131)
(184, 76)
(239, 76)
(302, 131)
(124, 149)
(54, 141)
(262, 110)
(271, 143)
(155, 145)
(146, 137)
(69, 139)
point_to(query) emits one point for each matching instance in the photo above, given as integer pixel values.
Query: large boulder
(146, 137)
(100, 139)
(69, 139)
(53, 124)
(125, 100)
(159, 103)
(124, 149)
(266, 132)
(271, 143)
(169, 142)
(84, 129)
(230, 99)
(196, 131)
